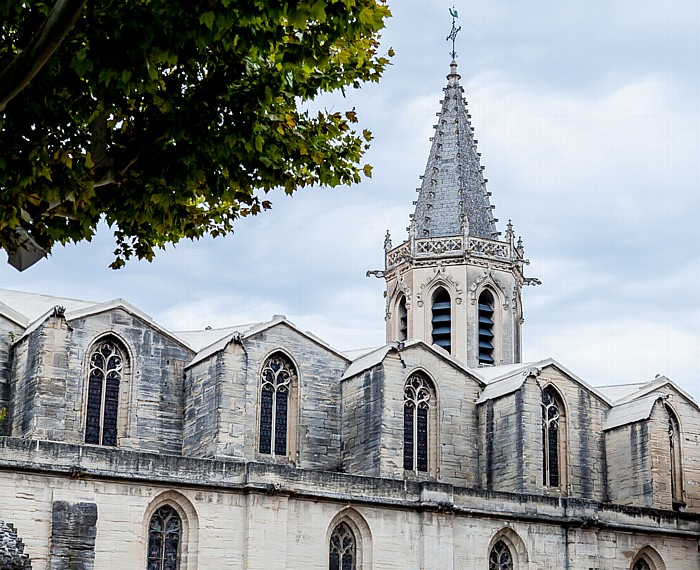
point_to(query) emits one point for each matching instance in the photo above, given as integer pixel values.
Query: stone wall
(248, 515)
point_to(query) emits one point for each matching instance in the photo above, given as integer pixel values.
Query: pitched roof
(631, 412)
(502, 380)
(229, 335)
(453, 184)
(33, 306)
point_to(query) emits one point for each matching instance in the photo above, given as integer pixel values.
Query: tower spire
(453, 185)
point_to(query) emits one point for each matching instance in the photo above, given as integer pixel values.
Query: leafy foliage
(172, 118)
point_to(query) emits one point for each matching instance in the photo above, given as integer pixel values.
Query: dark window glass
(551, 415)
(500, 557)
(416, 408)
(641, 564)
(277, 377)
(104, 378)
(164, 536)
(343, 550)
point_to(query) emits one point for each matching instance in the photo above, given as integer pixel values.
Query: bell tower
(454, 282)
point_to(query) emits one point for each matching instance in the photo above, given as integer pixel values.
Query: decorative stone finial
(387, 241)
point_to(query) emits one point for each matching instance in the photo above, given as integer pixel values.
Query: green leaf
(207, 19)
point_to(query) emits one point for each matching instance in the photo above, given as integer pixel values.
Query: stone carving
(438, 246)
(440, 276)
(398, 255)
(491, 279)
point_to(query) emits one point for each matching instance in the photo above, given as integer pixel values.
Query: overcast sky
(588, 121)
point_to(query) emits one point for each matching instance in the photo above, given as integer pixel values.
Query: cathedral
(123, 444)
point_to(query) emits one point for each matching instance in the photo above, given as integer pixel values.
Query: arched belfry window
(486, 328)
(674, 444)
(442, 319)
(641, 564)
(403, 318)
(418, 404)
(106, 372)
(164, 537)
(553, 442)
(278, 378)
(342, 549)
(500, 557)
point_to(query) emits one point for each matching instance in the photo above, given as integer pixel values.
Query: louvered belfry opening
(442, 319)
(403, 319)
(486, 325)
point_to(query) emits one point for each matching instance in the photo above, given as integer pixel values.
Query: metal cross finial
(453, 32)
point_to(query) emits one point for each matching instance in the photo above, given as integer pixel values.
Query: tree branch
(17, 75)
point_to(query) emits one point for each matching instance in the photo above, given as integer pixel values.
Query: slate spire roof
(453, 184)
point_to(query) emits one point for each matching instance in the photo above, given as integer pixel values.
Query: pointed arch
(486, 328)
(675, 445)
(441, 318)
(507, 551)
(648, 559)
(554, 439)
(278, 409)
(170, 533)
(108, 366)
(349, 523)
(402, 317)
(420, 425)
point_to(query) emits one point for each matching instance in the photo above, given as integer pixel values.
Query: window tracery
(641, 564)
(552, 416)
(104, 377)
(343, 549)
(164, 537)
(500, 557)
(277, 377)
(416, 409)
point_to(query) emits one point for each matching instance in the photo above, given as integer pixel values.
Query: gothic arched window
(343, 549)
(278, 377)
(486, 327)
(442, 319)
(500, 557)
(418, 400)
(674, 443)
(403, 318)
(164, 537)
(552, 441)
(641, 564)
(106, 370)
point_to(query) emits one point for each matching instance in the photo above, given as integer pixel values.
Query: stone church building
(126, 445)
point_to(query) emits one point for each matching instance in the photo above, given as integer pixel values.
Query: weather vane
(453, 32)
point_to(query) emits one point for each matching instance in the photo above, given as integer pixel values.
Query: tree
(172, 118)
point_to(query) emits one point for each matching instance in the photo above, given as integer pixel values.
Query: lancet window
(343, 549)
(418, 400)
(552, 443)
(486, 328)
(500, 557)
(442, 319)
(674, 443)
(164, 538)
(641, 564)
(278, 377)
(403, 319)
(106, 370)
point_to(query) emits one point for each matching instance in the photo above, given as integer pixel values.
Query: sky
(588, 121)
